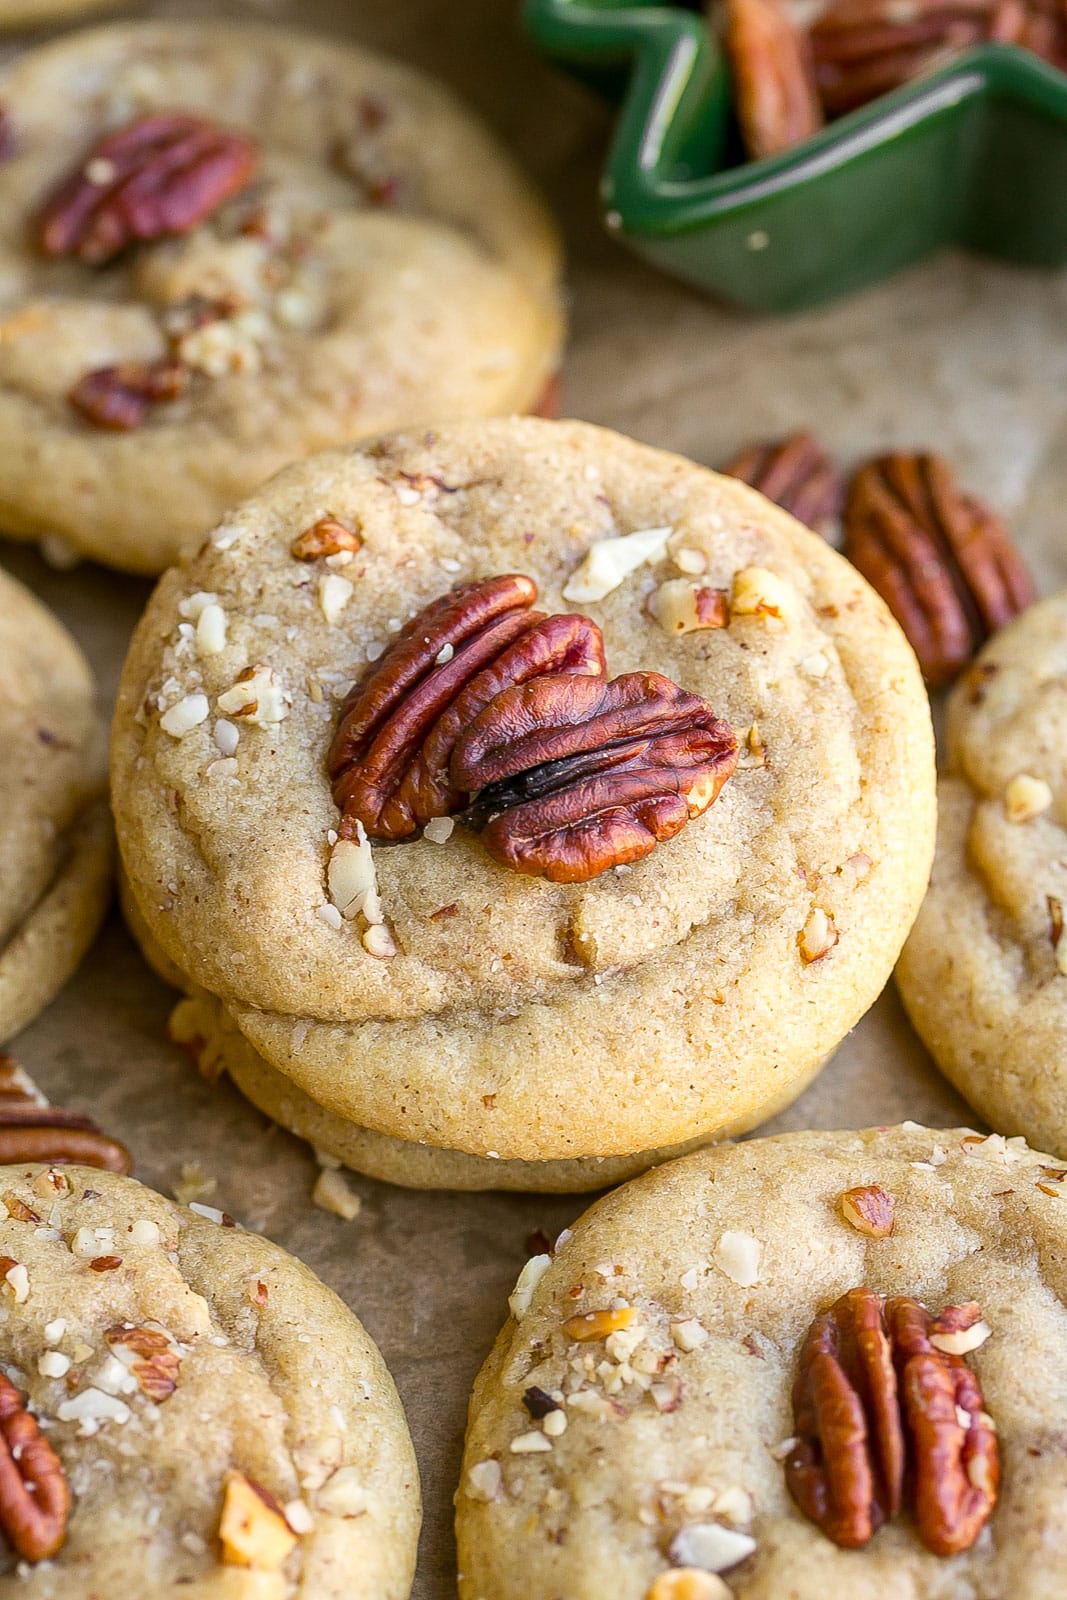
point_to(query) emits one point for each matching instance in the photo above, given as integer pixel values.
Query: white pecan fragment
(758, 592)
(608, 562)
(681, 606)
(1026, 797)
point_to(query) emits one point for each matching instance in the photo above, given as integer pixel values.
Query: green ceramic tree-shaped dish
(974, 154)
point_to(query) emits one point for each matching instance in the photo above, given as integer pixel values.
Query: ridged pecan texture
(119, 398)
(483, 699)
(774, 86)
(34, 1497)
(946, 566)
(157, 176)
(575, 775)
(877, 1405)
(797, 474)
(33, 1131)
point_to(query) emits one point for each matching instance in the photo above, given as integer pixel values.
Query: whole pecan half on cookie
(575, 775)
(34, 1497)
(390, 757)
(32, 1130)
(119, 398)
(774, 86)
(882, 1400)
(157, 176)
(945, 565)
(797, 474)
(952, 1440)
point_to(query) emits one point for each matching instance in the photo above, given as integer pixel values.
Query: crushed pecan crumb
(327, 537)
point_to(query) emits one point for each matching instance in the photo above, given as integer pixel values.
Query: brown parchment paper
(960, 355)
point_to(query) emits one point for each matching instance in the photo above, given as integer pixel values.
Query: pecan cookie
(984, 972)
(531, 977)
(166, 1422)
(824, 1364)
(55, 836)
(223, 248)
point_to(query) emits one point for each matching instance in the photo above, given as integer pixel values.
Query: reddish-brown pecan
(846, 1471)
(945, 565)
(118, 398)
(874, 1395)
(34, 1497)
(157, 176)
(951, 1440)
(390, 757)
(157, 1364)
(797, 474)
(575, 775)
(1036, 25)
(32, 1130)
(864, 48)
(327, 537)
(774, 88)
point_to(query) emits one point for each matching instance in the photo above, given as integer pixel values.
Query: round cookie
(676, 1428)
(531, 1020)
(385, 262)
(55, 836)
(984, 972)
(249, 1369)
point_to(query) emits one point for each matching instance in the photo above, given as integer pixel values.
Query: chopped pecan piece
(118, 398)
(157, 176)
(777, 104)
(873, 1394)
(327, 537)
(574, 775)
(864, 48)
(390, 757)
(869, 1209)
(944, 564)
(34, 1497)
(32, 1130)
(797, 474)
(952, 1441)
(150, 1356)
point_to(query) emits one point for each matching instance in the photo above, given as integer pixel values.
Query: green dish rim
(676, 70)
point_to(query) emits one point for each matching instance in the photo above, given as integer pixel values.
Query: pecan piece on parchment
(390, 757)
(774, 86)
(34, 1497)
(574, 775)
(32, 1130)
(155, 177)
(118, 398)
(864, 48)
(944, 564)
(797, 474)
(878, 1405)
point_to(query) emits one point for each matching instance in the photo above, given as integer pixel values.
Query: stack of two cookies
(450, 951)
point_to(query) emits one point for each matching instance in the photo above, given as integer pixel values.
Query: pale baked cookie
(521, 1018)
(182, 1369)
(201, 1024)
(984, 973)
(34, 13)
(55, 837)
(355, 253)
(632, 1435)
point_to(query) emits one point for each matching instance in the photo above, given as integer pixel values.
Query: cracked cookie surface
(634, 1416)
(384, 262)
(532, 1019)
(984, 973)
(249, 1365)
